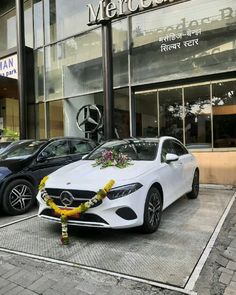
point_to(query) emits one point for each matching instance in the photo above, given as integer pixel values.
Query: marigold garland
(64, 213)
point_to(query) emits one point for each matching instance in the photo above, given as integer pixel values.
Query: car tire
(18, 197)
(152, 211)
(195, 186)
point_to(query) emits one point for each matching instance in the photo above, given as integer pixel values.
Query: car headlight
(123, 191)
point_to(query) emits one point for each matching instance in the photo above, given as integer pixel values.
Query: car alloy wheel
(18, 197)
(154, 207)
(152, 211)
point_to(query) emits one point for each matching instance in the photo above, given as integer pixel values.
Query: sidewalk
(27, 276)
(218, 275)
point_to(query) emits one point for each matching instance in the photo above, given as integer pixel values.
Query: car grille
(85, 217)
(79, 196)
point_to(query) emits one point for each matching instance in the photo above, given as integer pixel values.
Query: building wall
(217, 167)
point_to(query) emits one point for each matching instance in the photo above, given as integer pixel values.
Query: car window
(139, 150)
(167, 148)
(80, 147)
(57, 148)
(178, 149)
(22, 150)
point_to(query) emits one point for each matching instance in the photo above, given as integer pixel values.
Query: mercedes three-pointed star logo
(84, 116)
(66, 198)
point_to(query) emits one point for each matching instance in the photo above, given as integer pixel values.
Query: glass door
(146, 114)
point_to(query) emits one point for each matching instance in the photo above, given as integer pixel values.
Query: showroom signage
(8, 67)
(106, 11)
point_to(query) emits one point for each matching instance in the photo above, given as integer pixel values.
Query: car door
(187, 161)
(171, 174)
(51, 158)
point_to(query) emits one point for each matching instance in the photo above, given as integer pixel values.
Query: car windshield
(21, 150)
(142, 150)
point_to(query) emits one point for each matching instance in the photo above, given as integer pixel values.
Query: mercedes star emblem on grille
(66, 198)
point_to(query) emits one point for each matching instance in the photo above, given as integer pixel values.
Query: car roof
(68, 137)
(157, 139)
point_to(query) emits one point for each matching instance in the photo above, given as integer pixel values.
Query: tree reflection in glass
(197, 116)
(171, 113)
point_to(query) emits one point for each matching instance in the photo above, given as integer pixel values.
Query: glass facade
(39, 74)
(197, 103)
(171, 113)
(55, 118)
(8, 25)
(74, 66)
(169, 44)
(65, 18)
(224, 114)
(165, 63)
(71, 108)
(38, 23)
(146, 114)
(120, 53)
(122, 113)
(203, 116)
(179, 41)
(8, 30)
(40, 115)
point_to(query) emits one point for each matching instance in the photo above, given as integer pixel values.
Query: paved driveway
(168, 256)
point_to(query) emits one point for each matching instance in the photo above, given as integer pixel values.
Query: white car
(161, 171)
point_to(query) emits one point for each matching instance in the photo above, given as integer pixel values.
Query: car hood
(84, 175)
(12, 166)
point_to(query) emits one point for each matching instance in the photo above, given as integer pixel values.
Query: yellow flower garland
(101, 194)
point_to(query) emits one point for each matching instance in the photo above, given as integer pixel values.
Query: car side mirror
(171, 158)
(42, 157)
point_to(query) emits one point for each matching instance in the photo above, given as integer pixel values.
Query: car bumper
(124, 212)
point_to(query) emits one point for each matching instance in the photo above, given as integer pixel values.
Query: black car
(24, 164)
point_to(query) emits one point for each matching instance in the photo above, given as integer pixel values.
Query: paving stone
(8, 287)
(77, 292)
(233, 285)
(87, 287)
(24, 278)
(5, 268)
(232, 234)
(226, 270)
(41, 285)
(222, 261)
(52, 292)
(231, 265)
(225, 278)
(230, 254)
(233, 244)
(120, 291)
(64, 286)
(103, 290)
(234, 277)
(204, 291)
(15, 291)
(229, 291)
(11, 273)
(3, 283)
(27, 292)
